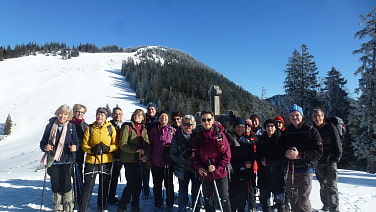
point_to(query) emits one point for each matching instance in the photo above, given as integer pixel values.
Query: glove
(97, 149)
(105, 148)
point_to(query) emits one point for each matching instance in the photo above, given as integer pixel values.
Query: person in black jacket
(117, 121)
(303, 146)
(241, 161)
(326, 169)
(270, 156)
(181, 154)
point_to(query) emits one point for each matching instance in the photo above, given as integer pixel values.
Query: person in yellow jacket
(98, 142)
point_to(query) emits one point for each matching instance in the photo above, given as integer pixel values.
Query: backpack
(109, 128)
(339, 124)
(197, 143)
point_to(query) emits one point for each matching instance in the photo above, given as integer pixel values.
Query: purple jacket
(160, 140)
(207, 147)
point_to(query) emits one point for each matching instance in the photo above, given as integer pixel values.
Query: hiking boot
(324, 209)
(122, 209)
(113, 201)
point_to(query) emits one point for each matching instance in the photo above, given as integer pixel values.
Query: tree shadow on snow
(121, 83)
(24, 195)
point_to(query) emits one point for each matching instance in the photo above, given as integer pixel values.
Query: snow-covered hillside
(33, 87)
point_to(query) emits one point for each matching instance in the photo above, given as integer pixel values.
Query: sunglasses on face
(205, 120)
(187, 124)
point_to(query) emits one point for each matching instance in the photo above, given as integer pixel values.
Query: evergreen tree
(301, 80)
(365, 144)
(335, 96)
(8, 126)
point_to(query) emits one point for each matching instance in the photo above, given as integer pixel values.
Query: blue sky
(248, 41)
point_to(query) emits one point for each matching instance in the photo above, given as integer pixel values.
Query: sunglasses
(177, 119)
(205, 120)
(187, 124)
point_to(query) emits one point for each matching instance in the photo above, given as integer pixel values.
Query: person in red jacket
(211, 155)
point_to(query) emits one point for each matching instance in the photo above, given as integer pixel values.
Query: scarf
(52, 139)
(77, 121)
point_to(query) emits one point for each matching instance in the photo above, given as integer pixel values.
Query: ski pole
(44, 187)
(102, 185)
(216, 190)
(141, 175)
(198, 195)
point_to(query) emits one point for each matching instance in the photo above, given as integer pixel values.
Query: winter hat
(279, 118)
(239, 121)
(151, 104)
(248, 122)
(270, 121)
(103, 110)
(296, 107)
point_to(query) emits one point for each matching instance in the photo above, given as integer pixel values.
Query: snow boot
(57, 200)
(68, 201)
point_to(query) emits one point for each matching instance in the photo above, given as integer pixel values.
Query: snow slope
(32, 88)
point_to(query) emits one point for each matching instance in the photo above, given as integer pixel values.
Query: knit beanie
(239, 121)
(151, 104)
(296, 107)
(279, 118)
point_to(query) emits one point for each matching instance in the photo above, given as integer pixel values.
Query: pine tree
(8, 126)
(365, 144)
(301, 80)
(335, 96)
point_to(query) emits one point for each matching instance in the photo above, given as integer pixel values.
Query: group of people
(225, 167)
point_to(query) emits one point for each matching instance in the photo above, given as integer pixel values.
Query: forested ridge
(175, 81)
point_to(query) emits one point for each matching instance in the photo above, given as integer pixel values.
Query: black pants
(91, 171)
(114, 179)
(165, 175)
(134, 183)
(60, 175)
(238, 194)
(210, 195)
(252, 191)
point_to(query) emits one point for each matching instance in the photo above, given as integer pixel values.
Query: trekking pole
(75, 195)
(102, 184)
(44, 187)
(141, 174)
(92, 176)
(198, 195)
(216, 190)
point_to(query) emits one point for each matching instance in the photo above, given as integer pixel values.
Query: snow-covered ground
(33, 87)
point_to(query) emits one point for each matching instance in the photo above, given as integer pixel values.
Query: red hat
(279, 118)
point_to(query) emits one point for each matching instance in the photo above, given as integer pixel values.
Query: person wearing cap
(99, 142)
(160, 136)
(152, 116)
(270, 156)
(280, 123)
(303, 148)
(241, 161)
(326, 170)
